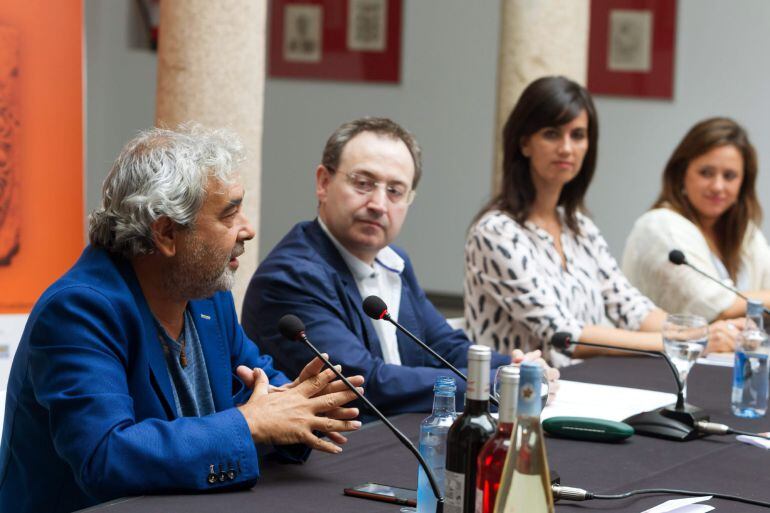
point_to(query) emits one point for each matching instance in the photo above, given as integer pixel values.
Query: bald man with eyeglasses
(322, 269)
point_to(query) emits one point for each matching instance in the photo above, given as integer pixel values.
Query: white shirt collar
(386, 257)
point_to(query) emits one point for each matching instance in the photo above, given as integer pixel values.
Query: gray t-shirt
(190, 383)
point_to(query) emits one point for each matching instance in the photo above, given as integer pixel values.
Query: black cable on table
(747, 433)
(579, 494)
(684, 492)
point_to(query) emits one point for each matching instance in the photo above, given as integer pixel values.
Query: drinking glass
(544, 386)
(684, 339)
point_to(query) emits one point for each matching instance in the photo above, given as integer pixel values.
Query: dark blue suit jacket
(305, 275)
(90, 414)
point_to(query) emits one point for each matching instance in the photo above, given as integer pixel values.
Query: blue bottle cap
(445, 385)
(754, 308)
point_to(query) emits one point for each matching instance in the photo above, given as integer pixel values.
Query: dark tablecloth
(715, 464)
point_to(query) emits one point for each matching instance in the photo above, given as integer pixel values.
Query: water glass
(684, 340)
(545, 387)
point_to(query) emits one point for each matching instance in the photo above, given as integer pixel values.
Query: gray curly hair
(161, 173)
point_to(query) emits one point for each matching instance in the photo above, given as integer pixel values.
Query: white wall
(120, 87)
(446, 97)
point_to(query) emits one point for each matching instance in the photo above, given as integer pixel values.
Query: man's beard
(202, 272)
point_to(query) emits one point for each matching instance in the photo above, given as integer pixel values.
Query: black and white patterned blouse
(517, 294)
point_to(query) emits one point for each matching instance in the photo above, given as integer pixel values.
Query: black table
(717, 464)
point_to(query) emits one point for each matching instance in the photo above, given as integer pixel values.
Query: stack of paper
(576, 399)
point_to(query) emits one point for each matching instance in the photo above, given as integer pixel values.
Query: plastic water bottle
(433, 432)
(750, 372)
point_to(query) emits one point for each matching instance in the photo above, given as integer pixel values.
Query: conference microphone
(676, 257)
(681, 422)
(292, 328)
(376, 308)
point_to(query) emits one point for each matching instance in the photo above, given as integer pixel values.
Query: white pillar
(537, 38)
(211, 70)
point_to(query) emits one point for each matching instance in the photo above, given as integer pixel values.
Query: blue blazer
(305, 275)
(90, 414)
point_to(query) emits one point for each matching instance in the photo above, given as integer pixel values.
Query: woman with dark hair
(708, 209)
(535, 263)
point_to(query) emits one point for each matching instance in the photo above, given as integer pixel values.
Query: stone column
(211, 70)
(537, 38)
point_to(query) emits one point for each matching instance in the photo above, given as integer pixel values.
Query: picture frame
(631, 48)
(346, 40)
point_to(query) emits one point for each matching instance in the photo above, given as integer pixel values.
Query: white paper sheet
(576, 399)
(686, 505)
(717, 359)
(756, 441)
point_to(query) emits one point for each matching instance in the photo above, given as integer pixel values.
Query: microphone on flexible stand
(376, 308)
(678, 422)
(292, 328)
(677, 257)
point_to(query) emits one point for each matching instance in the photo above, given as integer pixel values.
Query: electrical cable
(747, 433)
(578, 494)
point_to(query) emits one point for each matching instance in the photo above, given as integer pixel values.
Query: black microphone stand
(673, 422)
(386, 316)
(676, 257)
(300, 335)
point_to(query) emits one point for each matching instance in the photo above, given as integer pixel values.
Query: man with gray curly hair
(133, 375)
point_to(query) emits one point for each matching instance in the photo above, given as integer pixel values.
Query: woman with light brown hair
(708, 209)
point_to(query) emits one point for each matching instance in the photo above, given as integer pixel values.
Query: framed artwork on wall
(631, 48)
(349, 40)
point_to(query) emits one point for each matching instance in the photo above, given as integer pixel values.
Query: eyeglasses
(397, 193)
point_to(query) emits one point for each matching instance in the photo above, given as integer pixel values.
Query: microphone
(376, 308)
(292, 328)
(677, 257)
(681, 422)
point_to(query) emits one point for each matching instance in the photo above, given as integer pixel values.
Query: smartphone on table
(384, 493)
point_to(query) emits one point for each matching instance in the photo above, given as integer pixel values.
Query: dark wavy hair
(731, 226)
(548, 101)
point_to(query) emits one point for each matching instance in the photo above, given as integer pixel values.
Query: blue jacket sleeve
(243, 350)
(79, 364)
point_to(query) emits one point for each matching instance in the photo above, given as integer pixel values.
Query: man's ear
(322, 179)
(164, 236)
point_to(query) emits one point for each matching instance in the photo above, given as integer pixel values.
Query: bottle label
(454, 483)
(530, 402)
(527, 494)
(479, 500)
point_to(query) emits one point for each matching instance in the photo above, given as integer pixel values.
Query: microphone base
(669, 423)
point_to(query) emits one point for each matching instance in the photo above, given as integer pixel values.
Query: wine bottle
(468, 434)
(493, 453)
(525, 486)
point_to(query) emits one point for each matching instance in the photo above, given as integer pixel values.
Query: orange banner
(41, 146)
